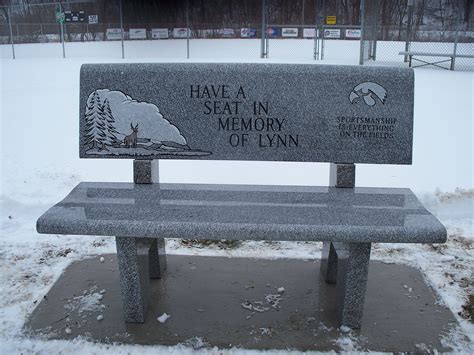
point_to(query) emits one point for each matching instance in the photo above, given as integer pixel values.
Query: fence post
(11, 32)
(62, 31)
(455, 49)
(121, 28)
(316, 44)
(375, 29)
(302, 14)
(316, 37)
(267, 45)
(410, 20)
(65, 34)
(187, 29)
(322, 42)
(262, 45)
(362, 32)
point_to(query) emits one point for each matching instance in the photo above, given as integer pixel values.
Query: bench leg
(352, 271)
(157, 258)
(134, 277)
(329, 263)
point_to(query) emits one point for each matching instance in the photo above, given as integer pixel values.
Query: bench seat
(244, 212)
(464, 55)
(427, 54)
(452, 56)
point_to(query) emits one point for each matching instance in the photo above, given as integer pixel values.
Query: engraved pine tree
(109, 121)
(95, 123)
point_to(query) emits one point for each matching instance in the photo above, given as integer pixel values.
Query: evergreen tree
(94, 122)
(109, 122)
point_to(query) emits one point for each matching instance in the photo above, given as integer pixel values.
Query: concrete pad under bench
(204, 297)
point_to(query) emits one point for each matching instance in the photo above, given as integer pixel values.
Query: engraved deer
(130, 141)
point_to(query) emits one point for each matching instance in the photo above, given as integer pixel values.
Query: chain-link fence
(340, 44)
(51, 23)
(292, 42)
(420, 33)
(190, 31)
(349, 32)
(290, 31)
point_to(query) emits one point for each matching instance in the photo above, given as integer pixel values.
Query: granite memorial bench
(263, 112)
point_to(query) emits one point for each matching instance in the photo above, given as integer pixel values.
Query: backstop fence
(361, 32)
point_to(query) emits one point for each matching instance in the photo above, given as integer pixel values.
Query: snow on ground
(39, 103)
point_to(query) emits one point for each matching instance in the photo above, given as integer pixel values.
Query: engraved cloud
(151, 123)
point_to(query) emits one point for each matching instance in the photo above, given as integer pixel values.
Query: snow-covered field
(39, 103)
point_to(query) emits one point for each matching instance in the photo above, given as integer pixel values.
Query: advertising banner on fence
(137, 33)
(227, 32)
(289, 32)
(114, 33)
(248, 32)
(332, 33)
(272, 32)
(309, 32)
(181, 33)
(159, 33)
(353, 33)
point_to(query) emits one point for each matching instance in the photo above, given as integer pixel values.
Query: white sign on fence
(180, 33)
(93, 19)
(114, 33)
(137, 33)
(309, 32)
(289, 32)
(227, 32)
(247, 32)
(159, 33)
(332, 33)
(353, 33)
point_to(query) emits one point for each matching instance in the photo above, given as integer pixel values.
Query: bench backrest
(265, 112)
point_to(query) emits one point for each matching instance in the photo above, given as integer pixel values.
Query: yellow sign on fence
(330, 20)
